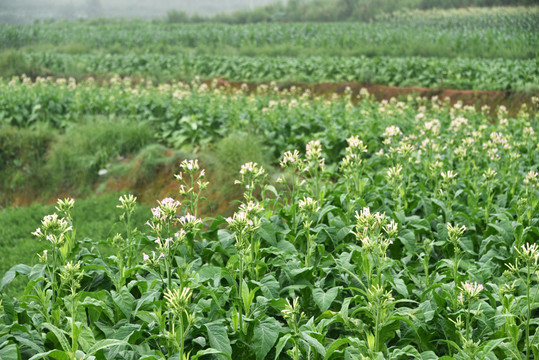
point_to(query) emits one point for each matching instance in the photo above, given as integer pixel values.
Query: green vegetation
(61, 134)
(337, 10)
(509, 33)
(406, 229)
(95, 218)
(489, 49)
(306, 226)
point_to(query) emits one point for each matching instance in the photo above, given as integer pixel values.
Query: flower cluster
(308, 206)
(65, 206)
(291, 159)
(178, 300)
(369, 229)
(313, 154)
(152, 260)
(127, 203)
(191, 223)
(454, 233)
(352, 159)
(71, 275)
(166, 211)
(251, 175)
(53, 229)
(469, 291)
(246, 220)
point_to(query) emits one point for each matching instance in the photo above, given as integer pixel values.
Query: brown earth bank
(221, 194)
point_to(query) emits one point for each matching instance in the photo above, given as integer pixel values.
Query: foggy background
(25, 11)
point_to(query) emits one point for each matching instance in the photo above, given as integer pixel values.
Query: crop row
(192, 114)
(401, 229)
(486, 74)
(505, 32)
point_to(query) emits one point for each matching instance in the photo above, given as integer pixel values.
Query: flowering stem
(181, 336)
(376, 327)
(528, 283)
(468, 319)
(73, 312)
(240, 288)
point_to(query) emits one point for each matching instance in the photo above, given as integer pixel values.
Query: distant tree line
(334, 10)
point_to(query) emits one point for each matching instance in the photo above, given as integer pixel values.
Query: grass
(42, 160)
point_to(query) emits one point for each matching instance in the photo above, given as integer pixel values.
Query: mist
(26, 11)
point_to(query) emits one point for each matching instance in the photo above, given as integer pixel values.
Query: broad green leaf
(269, 286)
(32, 344)
(11, 273)
(60, 335)
(87, 339)
(429, 355)
(265, 335)
(10, 352)
(267, 232)
(124, 300)
(218, 337)
(209, 272)
(324, 299)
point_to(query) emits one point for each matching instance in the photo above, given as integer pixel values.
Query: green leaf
(281, 344)
(429, 355)
(98, 305)
(269, 286)
(59, 335)
(30, 343)
(106, 343)
(87, 339)
(55, 354)
(337, 344)
(267, 232)
(209, 272)
(265, 335)
(209, 352)
(325, 299)
(10, 352)
(400, 287)
(218, 337)
(124, 300)
(11, 273)
(314, 343)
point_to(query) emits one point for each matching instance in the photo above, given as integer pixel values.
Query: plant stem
(528, 283)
